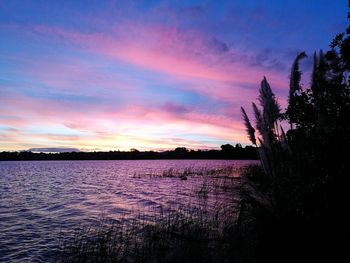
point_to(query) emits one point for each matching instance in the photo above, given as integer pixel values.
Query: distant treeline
(227, 152)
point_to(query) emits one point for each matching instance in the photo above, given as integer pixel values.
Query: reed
(201, 231)
(173, 235)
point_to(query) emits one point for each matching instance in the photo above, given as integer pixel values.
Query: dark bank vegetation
(227, 152)
(295, 206)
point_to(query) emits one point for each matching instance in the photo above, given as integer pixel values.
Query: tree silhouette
(306, 170)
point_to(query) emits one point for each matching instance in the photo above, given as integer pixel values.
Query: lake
(43, 201)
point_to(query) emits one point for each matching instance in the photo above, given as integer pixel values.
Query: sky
(152, 75)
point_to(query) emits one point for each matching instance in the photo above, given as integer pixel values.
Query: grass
(182, 235)
(206, 233)
(192, 171)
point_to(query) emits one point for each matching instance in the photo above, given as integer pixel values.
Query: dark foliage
(228, 152)
(298, 207)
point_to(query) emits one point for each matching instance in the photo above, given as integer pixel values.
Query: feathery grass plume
(270, 113)
(294, 86)
(258, 118)
(295, 75)
(271, 108)
(249, 127)
(266, 124)
(261, 125)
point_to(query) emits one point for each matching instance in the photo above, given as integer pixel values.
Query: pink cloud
(187, 54)
(187, 57)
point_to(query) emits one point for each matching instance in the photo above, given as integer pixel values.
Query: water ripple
(41, 201)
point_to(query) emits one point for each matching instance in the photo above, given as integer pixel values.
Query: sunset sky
(151, 75)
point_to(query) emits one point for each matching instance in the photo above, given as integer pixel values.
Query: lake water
(41, 201)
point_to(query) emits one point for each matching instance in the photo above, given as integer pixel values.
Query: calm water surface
(42, 201)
